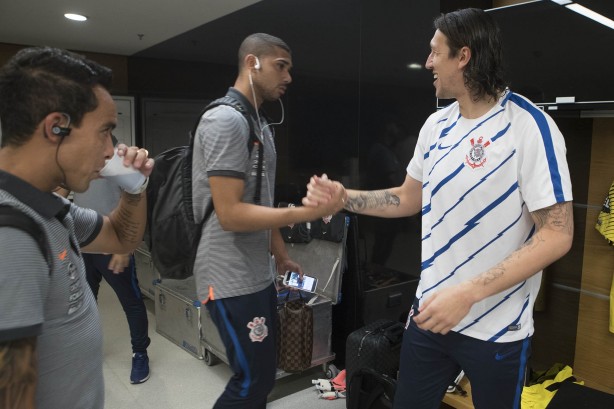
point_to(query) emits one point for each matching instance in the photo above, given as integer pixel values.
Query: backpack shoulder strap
(230, 101)
(11, 217)
(251, 141)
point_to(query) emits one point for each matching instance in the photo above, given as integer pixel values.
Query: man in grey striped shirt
(57, 117)
(233, 269)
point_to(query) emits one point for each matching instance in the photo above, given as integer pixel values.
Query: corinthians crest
(477, 154)
(258, 330)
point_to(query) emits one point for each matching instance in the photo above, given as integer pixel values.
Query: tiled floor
(178, 380)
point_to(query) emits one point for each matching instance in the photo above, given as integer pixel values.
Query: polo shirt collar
(46, 204)
(234, 93)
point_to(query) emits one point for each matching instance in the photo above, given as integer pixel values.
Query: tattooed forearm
(372, 200)
(489, 276)
(533, 242)
(127, 228)
(18, 373)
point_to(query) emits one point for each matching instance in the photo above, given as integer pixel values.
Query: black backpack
(369, 389)
(172, 233)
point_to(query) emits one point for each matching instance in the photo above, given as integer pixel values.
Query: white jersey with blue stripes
(481, 178)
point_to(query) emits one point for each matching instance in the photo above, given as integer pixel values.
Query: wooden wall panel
(594, 357)
(556, 317)
(595, 344)
(555, 328)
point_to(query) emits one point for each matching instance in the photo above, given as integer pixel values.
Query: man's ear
(464, 55)
(56, 126)
(252, 62)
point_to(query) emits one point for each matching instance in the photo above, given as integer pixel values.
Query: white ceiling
(114, 26)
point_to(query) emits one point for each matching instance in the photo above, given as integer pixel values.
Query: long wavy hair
(477, 30)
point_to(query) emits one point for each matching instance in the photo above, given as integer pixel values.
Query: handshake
(321, 191)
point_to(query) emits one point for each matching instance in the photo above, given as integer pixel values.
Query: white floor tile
(178, 380)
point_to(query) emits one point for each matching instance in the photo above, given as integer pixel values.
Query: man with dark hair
(57, 117)
(234, 270)
(490, 178)
(119, 271)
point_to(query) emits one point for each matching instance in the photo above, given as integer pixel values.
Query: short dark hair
(477, 30)
(260, 44)
(39, 80)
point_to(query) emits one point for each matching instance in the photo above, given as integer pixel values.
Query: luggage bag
(376, 346)
(369, 389)
(146, 274)
(178, 314)
(323, 259)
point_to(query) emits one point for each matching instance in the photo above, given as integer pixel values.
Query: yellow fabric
(605, 226)
(605, 221)
(537, 396)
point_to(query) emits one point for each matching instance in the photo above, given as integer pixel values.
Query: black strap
(555, 386)
(11, 217)
(259, 175)
(252, 140)
(382, 391)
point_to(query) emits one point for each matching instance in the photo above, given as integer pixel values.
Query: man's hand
(136, 157)
(444, 310)
(288, 265)
(119, 262)
(322, 190)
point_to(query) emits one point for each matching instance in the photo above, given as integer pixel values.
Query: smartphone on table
(307, 283)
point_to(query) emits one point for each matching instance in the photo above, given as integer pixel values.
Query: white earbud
(257, 66)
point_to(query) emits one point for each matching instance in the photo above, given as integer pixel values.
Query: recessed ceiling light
(414, 66)
(562, 2)
(76, 17)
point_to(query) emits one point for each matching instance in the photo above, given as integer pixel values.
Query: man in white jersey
(57, 117)
(490, 178)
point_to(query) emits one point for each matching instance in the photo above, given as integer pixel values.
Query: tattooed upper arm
(18, 373)
(558, 217)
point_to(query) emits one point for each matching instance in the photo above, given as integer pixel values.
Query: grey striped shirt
(58, 306)
(230, 264)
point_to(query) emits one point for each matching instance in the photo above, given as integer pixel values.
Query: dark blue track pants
(247, 325)
(430, 362)
(126, 286)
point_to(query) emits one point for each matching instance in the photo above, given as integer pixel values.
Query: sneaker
(140, 368)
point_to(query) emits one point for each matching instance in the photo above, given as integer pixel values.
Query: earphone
(257, 67)
(251, 83)
(62, 130)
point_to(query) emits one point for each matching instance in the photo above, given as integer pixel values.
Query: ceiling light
(591, 14)
(75, 17)
(562, 2)
(414, 66)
